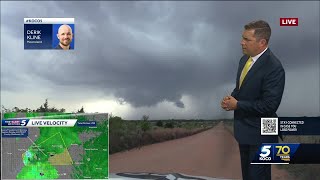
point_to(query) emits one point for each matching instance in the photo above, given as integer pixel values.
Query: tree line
(43, 108)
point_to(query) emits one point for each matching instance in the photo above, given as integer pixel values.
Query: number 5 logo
(23, 123)
(265, 151)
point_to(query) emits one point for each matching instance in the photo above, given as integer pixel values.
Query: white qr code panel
(269, 126)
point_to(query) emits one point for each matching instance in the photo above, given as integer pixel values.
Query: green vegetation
(10, 113)
(169, 125)
(125, 134)
(145, 126)
(159, 123)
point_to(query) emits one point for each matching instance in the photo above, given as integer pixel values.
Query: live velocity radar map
(54, 146)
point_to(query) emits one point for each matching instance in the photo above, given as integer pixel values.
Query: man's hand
(223, 103)
(229, 103)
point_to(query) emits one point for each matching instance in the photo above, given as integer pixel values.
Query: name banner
(49, 33)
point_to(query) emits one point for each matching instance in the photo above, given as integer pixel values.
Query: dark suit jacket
(259, 96)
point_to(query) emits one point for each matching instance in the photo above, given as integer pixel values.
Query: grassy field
(128, 134)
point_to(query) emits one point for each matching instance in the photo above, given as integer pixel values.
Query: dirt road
(212, 153)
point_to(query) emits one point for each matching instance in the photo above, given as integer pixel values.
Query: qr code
(269, 126)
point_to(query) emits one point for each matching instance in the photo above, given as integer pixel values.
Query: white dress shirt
(255, 58)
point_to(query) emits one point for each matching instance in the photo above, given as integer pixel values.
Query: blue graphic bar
(287, 153)
(14, 122)
(14, 132)
(87, 123)
(299, 125)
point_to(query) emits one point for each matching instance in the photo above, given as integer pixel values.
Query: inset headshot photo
(63, 36)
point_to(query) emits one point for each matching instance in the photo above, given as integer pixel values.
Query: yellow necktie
(245, 70)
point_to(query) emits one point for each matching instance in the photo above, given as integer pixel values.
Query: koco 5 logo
(265, 152)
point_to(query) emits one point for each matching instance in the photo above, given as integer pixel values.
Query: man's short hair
(261, 29)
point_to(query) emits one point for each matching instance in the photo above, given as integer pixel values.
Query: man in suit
(258, 93)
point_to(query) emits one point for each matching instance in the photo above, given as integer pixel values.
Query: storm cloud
(143, 54)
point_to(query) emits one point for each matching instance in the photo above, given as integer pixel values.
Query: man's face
(249, 43)
(65, 35)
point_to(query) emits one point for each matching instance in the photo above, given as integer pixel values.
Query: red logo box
(289, 21)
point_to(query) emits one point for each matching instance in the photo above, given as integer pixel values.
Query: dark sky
(165, 59)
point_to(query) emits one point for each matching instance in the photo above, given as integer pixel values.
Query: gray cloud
(145, 53)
